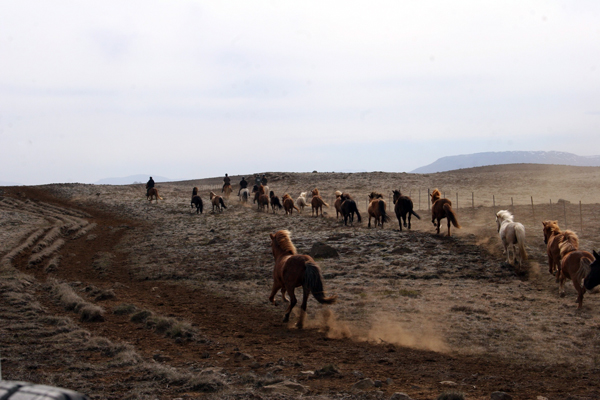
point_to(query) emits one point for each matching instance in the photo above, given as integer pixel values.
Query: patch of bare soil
(117, 298)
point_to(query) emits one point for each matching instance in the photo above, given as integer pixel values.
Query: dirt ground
(109, 295)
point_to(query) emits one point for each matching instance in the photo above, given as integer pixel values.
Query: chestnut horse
(153, 192)
(440, 209)
(512, 235)
(274, 201)
(196, 201)
(574, 265)
(338, 204)
(217, 201)
(403, 208)
(553, 236)
(288, 204)
(348, 208)
(293, 270)
(377, 209)
(317, 203)
(227, 190)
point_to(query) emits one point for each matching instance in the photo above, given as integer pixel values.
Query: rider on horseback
(226, 182)
(263, 181)
(243, 185)
(149, 185)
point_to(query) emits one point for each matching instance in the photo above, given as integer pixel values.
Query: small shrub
(124, 309)
(141, 316)
(451, 396)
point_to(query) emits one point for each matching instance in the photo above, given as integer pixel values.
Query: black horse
(196, 201)
(348, 208)
(274, 201)
(404, 207)
(592, 278)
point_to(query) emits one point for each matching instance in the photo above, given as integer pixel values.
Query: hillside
(508, 157)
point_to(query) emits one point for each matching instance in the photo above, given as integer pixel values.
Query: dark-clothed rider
(149, 185)
(257, 180)
(226, 181)
(263, 181)
(243, 185)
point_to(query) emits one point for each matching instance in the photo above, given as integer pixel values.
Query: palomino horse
(274, 201)
(301, 201)
(244, 195)
(293, 270)
(348, 208)
(377, 209)
(196, 201)
(574, 265)
(403, 208)
(153, 192)
(440, 209)
(512, 235)
(553, 236)
(227, 190)
(317, 203)
(288, 204)
(217, 201)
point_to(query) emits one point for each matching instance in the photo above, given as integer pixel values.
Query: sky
(194, 89)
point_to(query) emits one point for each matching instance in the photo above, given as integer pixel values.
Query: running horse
(301, 201)
(574, 265)
(512, 235)
(274, 201)
(196, 201)
(553, 236)
(153, 192)
(376, 209)
(317, 203)
(440, 209)
(403, 207)
(288, 204)
(217, 201)
(293, 270)
(348, 209)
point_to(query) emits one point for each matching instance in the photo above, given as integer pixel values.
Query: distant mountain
(508, 157)
(128, 180)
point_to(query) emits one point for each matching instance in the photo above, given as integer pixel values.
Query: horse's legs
(580, 292)
(276, 287)
(305, 293)
(449, 226)
(285, 300)
(561, 284)
(369, 220)
(409, 217)
(293, 302)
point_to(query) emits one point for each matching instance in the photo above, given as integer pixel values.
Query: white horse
(301, 201)
(512, 235)
(244, 195)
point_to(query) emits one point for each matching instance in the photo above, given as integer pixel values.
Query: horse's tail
(313, 280)
(222, 202)
(384, 216)
(451, 215)
(569, 243)
(356, 211)
(415, 214)
(293, 205)
(325, 204)
(520, 233)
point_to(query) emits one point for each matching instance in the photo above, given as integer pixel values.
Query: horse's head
(211, 195)
(397, 195)
(435, 195)
(303, 195)
(271, 193)
(281, 244)
(315, 192)
(375, 195)
(338, 193)
(550, 228)
(194, 191)
(593, 277)
(345, 196)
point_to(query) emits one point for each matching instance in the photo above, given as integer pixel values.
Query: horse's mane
(212, 195)
(505, 215)
(303, 194)
(346, 196)
(375, 195)
(552, 225)
(194, 191)
(271, 193)
(338, 193)
(286, 196)
(398, 192)
(569, 243)
(283, 241)
(315, 192)
(435, 195)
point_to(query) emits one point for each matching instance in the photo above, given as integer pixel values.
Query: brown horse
(338, 204)
(317, 204)
(153, 192)
(196, 201)
(288, 204)
(315, 192)
(263, 202)
(573, 265)
(226, 190)
(553, 236)
(293, 270)
(217, 201)
(440, 209)
(377, 209)
(403, 206)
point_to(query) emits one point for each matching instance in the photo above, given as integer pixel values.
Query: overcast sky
(193, 89)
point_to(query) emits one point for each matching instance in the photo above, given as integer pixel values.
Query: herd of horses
(565, 259)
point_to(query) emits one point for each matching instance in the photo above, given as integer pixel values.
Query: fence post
(512, 204)
(494, 200)
(565, 214)
(419, 198)
(472, 200)
(428, 199)
(580, 217)
(457, 200)
(532, 209)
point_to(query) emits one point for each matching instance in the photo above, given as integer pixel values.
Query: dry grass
(71, 301)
